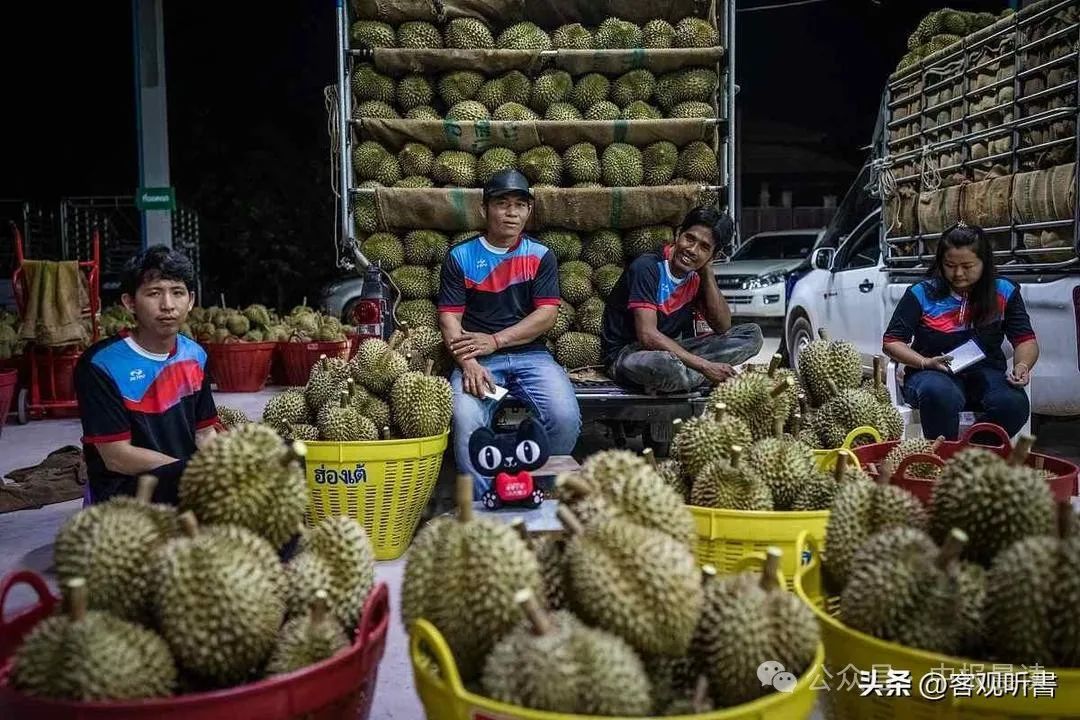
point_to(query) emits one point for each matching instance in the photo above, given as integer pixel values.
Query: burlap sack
(987, 203)
(902, 216)
(615, 62)
(545, 13)
(403, 61)
(582, 209)
(938, 209)
(518, 136)
(1058, 246)
(1044, 195)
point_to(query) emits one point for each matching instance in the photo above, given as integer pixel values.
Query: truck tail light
(367, 317)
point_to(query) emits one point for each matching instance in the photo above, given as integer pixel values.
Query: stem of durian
(350, 388)
(832, 386)
(796, 422)
(295, 451)
(1039, 462)
(719, 409)
(782, 387)
(541, 623)
(936, 445)
(145, 490)
(885, 472)
(1066, 520)
(464, 497)
(319, 606)
(676, 426)
(734, 455)
(188, 524)
(778, 427)
(429, 366)
(823, 334)
(954, 545)
(221, 297)
(708, 572)
(1020, 453)
(344, 399)
(804, 403)
(877, 371)
(76, 599)
(518, 524)
(840, 469)
(769, 581)
(650, 457)
(701, 695)
(385, 432)
(574, 484)
(774, 364)
(303, 302)
(405, 328)
(570, 520)
(322, 362)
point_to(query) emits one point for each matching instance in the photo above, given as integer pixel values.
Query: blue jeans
(534, 378)
(941, 397)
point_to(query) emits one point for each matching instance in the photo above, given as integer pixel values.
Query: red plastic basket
(55, 371)
(240, 366)
(340, 688)
(1063, 484)
(297, 358)
(8, 379)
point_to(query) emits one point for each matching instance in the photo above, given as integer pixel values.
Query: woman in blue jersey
(962, 299)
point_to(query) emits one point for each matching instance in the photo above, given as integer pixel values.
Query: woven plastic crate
(382, 484)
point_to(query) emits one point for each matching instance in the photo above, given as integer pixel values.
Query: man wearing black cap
(498, 296)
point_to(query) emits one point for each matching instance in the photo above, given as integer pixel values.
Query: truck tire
(801, 334)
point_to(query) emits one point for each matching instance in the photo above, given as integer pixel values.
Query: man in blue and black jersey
(499, 295)
(144, 395)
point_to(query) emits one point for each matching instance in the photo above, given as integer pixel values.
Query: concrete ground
(26, 536)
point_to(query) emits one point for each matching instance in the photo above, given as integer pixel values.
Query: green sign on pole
(156, 198)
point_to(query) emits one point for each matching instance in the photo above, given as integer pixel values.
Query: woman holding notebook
(963, 308)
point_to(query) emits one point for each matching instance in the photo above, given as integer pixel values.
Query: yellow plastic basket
(849, 651)
(382, 484)
(725, 537)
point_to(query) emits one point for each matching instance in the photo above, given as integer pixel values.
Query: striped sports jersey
(155, 401)
(936, 325)
(495, 288)
(648, 284)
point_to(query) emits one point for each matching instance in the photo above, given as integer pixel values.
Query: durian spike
(575, 485)
(319, 606)
(701, 695)
(650, 457)
(734, 455)
(823, 334)
(1066, 519)
(188, 524)
(774, 364)
(954, 545)
(464, 497)
(769, 581)
(719, 409)
(523, 532)
(570, 520)
(429, 366)
(539, 619)
(76, 598)
(782, 387)
(385, 432)
(840, 469)
(145, 490)
(1020, 452)
(832, 386)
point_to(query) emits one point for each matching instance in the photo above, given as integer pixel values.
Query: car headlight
(763, 281)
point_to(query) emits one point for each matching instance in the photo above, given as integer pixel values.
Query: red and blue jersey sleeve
(545, 288)
(905, 319)
(105, 418)
(452, 287)
(1015, 318)
(643, 285)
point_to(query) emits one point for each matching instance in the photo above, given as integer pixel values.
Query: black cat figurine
(510, 458)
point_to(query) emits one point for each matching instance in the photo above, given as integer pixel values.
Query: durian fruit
(890, 423)
(573, 37)
(336, 557)
(341, 422)
(843, 412)
(514, 86)
(232, 417)
(326, 380)
(562, 111)
(696, 704)
(574, 350)
(369, 405)
(468, 111)
(784, 464)
(692, 109)
(875, 384)
(694, 32)
(582, 164)
(659, 161)
(307, 639)
(514, 111)
(817, 491)
(90, 655)
(603, 247)
(368, 84)
(564, 243)
(710, 437)
(658, 33)
(564, 320)
(603, 110)
(634, 581)
(413, 91)
(697, 84)
(106, 544)
(423, 112)
(418, 313)
(824, 360)
(417, 34)
(377, 364)
(454, 168)
(904, 589)
(286, 408)
(747, 617)
(219, 601)
(669, 471)
(494, 160)
(616, 34)
(372, 34)
(584, 671)
(590, 316)
(414, 281)
(995, 502)
(672, 679)
(459, 85)
(420, 344)
(647, 238)
(639, 110)
(575, 281)
(589, 89)
(523, 36)
(731, 485)
(1031, 594)
(758, 399)
(375, 110)
(421, 403)
(697, 162)
(424, 247)
(541, 165)
(300, 431)
(621, 165)
(249, 478)
(859, 510)
(486, 563)
(925, 471)
(548, 550)
(633, 86)
(468, 34)
(552, 86)
(415, 159)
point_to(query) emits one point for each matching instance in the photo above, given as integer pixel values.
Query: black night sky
(246, 115)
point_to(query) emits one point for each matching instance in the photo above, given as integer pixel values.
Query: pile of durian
(256, 323)
(164, 601)
(987, 570)
(941, 28)
(387, 390)
(10, 344)
(548, 94)
(615, 618)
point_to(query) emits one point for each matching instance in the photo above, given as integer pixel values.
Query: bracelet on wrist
(495, 339)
